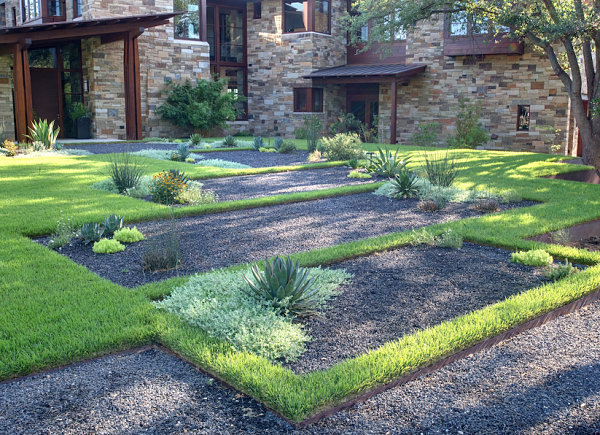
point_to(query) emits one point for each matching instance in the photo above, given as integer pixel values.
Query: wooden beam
(133, 100)
(20, 99)
(27, 86)
(394, 113)
(203, 21)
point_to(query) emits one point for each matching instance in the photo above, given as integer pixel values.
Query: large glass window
(459, 24)
(187, 26)
(308, 100)
(231, 35)
(306, 16)
(463, 24)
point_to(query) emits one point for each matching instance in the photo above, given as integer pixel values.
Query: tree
(202, 106)
(567, 31)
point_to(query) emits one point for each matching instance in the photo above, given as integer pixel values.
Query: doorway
(362, 101)
(57, 84)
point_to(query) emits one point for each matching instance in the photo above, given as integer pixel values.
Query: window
(523, 118)
(2, 14)
(77, 5)
(393, 31)
(463, 24)
(307, 16)
(308, 100)
(47, 10)
(459, 23)
(31, 10)
(257, 10)
(187, 26)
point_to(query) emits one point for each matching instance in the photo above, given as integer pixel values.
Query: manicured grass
(54, 311)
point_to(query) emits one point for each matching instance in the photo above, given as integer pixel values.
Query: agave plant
(43, 132)
(112, 224)
(258, 143)
(91, 232)
(405, 184)
(182, 153)
(278, 143)
(230, 141)
(195, 139)
(387, 164)
(285, 285)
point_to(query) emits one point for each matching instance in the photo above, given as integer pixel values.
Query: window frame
(471, 24)
(310, 17)
(257, 9)
(76, 9)
(310, 100)
(523, 127)
(42, 12)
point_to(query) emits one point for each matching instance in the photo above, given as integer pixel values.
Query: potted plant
(82, 121)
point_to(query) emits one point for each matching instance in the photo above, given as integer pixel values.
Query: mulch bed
(253, 186)
(402, 291)
(219, 240)
(582, 236)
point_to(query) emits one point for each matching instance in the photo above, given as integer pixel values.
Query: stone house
(289, 58)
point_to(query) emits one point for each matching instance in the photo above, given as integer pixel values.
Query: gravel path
(253, 186)
(398, 292)
(546, 380)
(251, 158)
(219, 240)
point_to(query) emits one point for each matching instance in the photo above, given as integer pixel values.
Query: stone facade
(7, 125)
(500, 82)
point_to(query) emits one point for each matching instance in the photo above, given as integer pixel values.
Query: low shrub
(441, 170)
(230, 141)
(194, 194)
(284, 285)
(167, 186)
(422, 237)
(487, 205)
(300, 133)
(125, 171)
(258, 143)
(128, 235)
(358, 174)
(450, 239)
(107, 246)
(267, 150)
(91, 232)
(65, 231)
(223, 164)
(315, 156)
(469, 131)
(535, 257)
(218, 303)
(287, 148)
(405, 184)
(195, 139)
(182, 153)
(426, 135)
(430, 206)
(387, 164)
(112, 224)
(167, 154)
(343, 146)
(10, 147)
(509, 196)
(561, 237)
(190, 160)
(559, 271)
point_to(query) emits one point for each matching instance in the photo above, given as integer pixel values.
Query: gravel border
(546, 380)
(254, 159)
(254, 186)
(242, 236)
(399, 292)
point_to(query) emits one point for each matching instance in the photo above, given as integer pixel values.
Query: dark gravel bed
(219, 240)
(398, 292)
(254, 159)
(545, 381)
(253, 186)
(257, 159)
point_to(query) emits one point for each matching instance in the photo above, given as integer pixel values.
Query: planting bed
(399, 292)
(220, 240)
(122, 147)
(253, 186)
(582, 236)
(257, 159)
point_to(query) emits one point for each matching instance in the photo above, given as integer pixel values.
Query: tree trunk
(591, 149)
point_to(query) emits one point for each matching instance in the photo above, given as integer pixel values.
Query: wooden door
(45, 94)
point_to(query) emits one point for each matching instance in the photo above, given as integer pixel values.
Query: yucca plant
(258, 143)
(387, 164)
(405, 184)
(441, 170)
(285, 285)
(195, 139)
(230, 141)
(43, 132)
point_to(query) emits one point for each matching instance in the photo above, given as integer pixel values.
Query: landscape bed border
(252, 375)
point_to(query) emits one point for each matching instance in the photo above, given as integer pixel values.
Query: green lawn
(55, 312)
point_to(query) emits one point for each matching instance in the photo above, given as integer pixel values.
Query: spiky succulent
(278, 143)
(258, 143)
(229, 141)
(387, 164)
(112, 224)
(405, 184)
(285, 285)
(91, 232)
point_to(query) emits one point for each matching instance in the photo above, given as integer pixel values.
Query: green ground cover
(54, 312)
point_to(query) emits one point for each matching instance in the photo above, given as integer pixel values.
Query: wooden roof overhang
(348, 74)
(18, 40)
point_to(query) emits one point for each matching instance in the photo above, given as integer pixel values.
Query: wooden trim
(133, 101)
(394, 113)
(19, 95)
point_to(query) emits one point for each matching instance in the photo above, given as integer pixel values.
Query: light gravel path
(546, 380)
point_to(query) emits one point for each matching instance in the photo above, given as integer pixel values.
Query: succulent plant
(277, 143)
(387, 164)
(229, 141)
(285, 285)
(91, 232)
(112, 224)
(405, 184)
(258, 143)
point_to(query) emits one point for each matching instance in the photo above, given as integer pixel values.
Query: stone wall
(499, 82)
(276, 64)
(7, 122)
